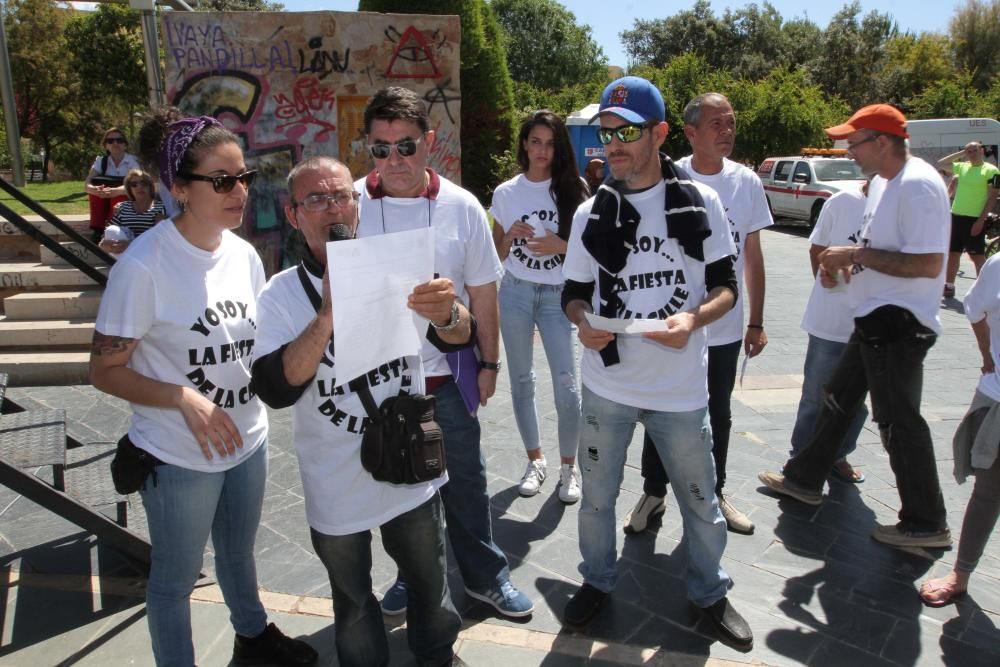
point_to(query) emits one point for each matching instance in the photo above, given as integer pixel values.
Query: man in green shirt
(977, 183)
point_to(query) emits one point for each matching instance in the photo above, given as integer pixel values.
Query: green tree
(239, 6)
(956, 97)
(975, 29)
(115, 74)
(697, 30)
(47, 89)
(545, 46)
(914, 63)
(853, 49)
(755, 41)
(487, 92)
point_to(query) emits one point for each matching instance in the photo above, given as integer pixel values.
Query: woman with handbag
(173, 337)
(105, 182)
(532, 214)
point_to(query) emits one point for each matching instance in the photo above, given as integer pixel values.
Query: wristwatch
(452, 321)
(490, 365)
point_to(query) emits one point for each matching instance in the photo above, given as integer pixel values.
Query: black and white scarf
(610, 234)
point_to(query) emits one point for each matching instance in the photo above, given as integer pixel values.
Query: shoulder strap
(358, 385)
(314, 298)
(104, 164)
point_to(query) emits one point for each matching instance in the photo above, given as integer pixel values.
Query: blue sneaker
(506, 599)
(394, 600)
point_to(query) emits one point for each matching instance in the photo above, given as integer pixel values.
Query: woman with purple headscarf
(174, 337)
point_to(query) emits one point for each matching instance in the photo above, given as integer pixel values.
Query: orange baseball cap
(883, 118)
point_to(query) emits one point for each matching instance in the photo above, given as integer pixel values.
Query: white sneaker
(569, 486)
(533, 477)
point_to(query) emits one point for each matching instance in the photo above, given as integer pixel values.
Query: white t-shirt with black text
(328, 421)
(983, 301)
(743, 199)
(658, 280)
(909, 214)
(828, 313)
(521, 200)
(194, 314)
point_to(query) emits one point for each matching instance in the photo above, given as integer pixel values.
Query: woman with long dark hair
(173, 337)
(533, 212)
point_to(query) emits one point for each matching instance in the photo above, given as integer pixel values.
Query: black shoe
(730, 628)
(583, 606)
(272, 647)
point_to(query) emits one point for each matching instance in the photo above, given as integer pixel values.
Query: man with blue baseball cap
(651, 252)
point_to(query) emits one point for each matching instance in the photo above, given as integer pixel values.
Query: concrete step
(30, 369)
(45, 333)
(32, 275)
(79, 222)
(50, 258)
(68, 304)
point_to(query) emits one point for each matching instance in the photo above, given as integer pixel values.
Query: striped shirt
(137, 223)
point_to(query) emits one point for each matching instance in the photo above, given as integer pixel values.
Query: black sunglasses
(405, 148)
(224, 184)
(116, 140)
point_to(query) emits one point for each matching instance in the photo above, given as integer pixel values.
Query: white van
(933, 139)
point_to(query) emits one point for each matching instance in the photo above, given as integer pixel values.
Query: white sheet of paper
(624, 326)
(370, 279)
(743, 370)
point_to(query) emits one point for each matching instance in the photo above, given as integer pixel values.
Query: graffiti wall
(293, 85)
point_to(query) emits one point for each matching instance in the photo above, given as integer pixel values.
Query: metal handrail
(50, 243)
(53, 220)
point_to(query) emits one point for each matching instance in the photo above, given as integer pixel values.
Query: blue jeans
(466, 502)
(415, 540)
(524, 304)
(684, 443)
(182, 508)
(722, 362)
(884, 356)
(822, 357)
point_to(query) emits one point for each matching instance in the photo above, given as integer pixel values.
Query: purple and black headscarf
(180, 135)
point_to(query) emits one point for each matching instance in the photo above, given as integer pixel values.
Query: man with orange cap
(895, 276)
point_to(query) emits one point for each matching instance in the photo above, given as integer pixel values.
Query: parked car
(797, 186)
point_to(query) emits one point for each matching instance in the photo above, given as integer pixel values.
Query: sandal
(939, 592)
(845, 472)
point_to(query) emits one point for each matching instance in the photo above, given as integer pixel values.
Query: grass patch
(65, 197)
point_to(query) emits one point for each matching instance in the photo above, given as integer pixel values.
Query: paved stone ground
(815, 588)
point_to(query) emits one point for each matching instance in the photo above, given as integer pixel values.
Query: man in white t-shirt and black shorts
(652, 248)
(895, 278)
(710, 126)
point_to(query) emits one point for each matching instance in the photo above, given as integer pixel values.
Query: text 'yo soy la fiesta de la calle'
(230, 351)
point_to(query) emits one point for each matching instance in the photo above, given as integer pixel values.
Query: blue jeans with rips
(523, 305)
(182, 508)
(415, 540)
(684, 443)
(822, 357)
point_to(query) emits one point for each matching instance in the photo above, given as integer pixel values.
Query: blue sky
(607, 18)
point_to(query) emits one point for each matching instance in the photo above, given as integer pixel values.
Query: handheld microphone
(340, 232)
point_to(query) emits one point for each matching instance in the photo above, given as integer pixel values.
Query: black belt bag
(131, 466)
(402, 444)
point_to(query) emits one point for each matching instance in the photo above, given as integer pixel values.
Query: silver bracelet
(452, 321)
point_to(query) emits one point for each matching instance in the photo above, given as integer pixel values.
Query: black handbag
(402, 443)
(131, 466)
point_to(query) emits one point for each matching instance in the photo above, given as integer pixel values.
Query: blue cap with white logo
(633, 98)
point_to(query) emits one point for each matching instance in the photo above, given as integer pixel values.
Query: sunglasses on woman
(116, 140)
(625, 133)
(405, 148)
(224, 184)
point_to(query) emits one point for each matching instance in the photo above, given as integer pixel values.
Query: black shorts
(962, 239)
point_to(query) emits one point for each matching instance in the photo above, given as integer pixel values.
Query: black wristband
(755, 326)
